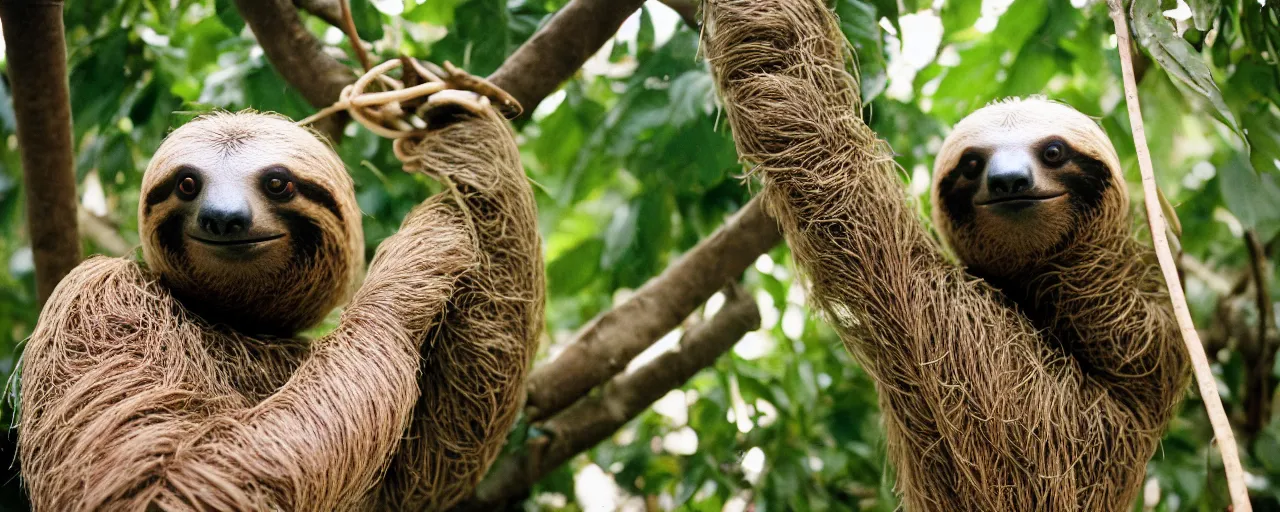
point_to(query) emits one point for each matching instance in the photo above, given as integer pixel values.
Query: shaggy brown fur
(1050, 394)
(131, 401)
(476, 358)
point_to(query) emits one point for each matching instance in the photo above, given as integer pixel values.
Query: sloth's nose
(1008, 181)
(222, 221)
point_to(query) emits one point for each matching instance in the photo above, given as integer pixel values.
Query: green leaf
(692, 96)
(1035, 65)
(575, 269)
(958, 15)
(645, 36)
(1267, 448)
(1176, 56)
(229, 16)
(1203, 12)
(1023, 19)
(620, 234)
(478, 40)
(1253, 198)
(859, 23)
(367, 18)
(433, 12)
(889, 9)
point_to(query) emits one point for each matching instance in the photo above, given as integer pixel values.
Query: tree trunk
(37, 57)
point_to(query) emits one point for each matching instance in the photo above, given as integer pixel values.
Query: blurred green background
(633, 165)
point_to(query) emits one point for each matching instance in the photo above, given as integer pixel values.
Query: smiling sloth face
(1017, 180)
(252, 222)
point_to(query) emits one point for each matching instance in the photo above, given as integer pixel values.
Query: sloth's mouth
(238, 241)
(1020, 200)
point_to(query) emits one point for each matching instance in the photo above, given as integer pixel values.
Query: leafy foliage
(633, 166)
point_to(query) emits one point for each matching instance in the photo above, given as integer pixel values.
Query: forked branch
(592, 420)
(611, 340)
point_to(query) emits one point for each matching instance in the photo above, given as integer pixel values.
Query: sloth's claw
(458, 79)
(449, 100)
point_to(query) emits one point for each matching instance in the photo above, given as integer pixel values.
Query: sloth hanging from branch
(1040, 372)
(181, 383)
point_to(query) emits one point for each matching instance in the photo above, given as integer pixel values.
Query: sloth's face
(251, 221)
(1017, 181)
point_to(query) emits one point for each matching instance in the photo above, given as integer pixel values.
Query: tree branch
(1155, 220)
(605, 346)
(328, 10)
(298, 56)
(560, 48)
(37, 57)
(687, 9)
(594, 419)
(1258, 383)
(532, 73)
(1211, 278)
(103, 234)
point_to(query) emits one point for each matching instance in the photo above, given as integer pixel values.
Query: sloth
(182, 383)
(1036, 370)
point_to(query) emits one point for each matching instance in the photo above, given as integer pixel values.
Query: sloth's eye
(279, 188)
(1054, 152)
(188, 187)
(971, 166)
(278, 184)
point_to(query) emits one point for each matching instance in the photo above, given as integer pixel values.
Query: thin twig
(1260, 270)
(1257, 395)
(1220, 284)
(103, 233)
(1155, 219)
(349, 26)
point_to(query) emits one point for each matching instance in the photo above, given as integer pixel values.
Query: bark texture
(37, 58)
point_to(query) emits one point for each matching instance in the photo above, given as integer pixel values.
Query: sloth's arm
(476, 359)
(1112, 306)
(122, 409)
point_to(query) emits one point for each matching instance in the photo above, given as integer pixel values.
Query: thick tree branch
(533, 72)
(328, 10)
(37, 57)
(560, 48)
(594, 419)
(611, 340)
(298, 56)
(687, 9)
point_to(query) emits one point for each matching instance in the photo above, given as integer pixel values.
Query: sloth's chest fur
(255, 367)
